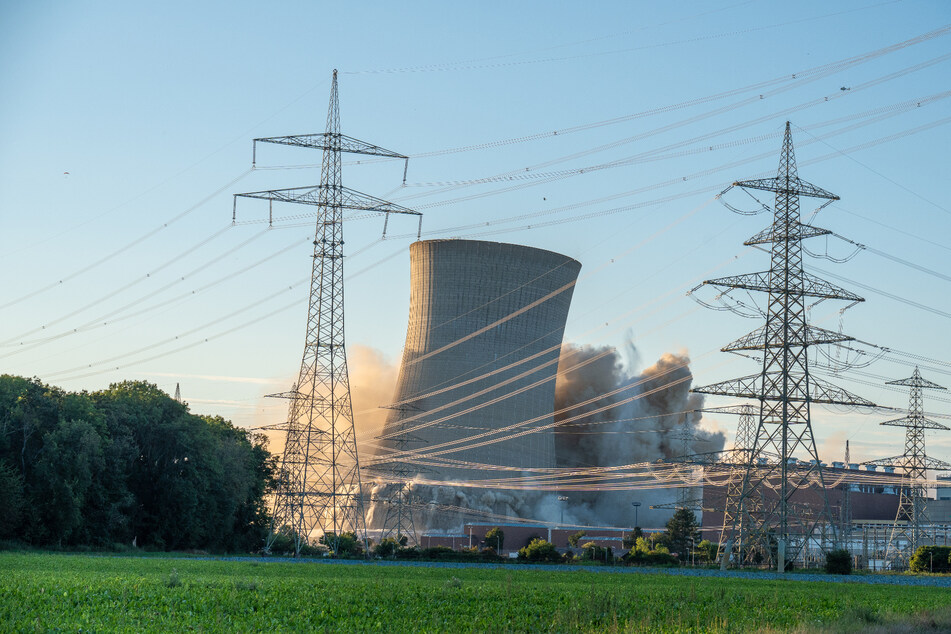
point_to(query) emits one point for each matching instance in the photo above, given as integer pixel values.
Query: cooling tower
(485, 329)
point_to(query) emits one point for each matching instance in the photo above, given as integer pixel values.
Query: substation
(473, 439)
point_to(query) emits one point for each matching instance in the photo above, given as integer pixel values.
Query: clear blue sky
(118, 117)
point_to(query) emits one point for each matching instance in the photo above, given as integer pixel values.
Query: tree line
(126, 465)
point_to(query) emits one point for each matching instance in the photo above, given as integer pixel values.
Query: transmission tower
(689, 464)
(396, 496)
(735, 460)
(319, 488)
(178, 393)
(846, 531)
(908, 531)
(779, 525)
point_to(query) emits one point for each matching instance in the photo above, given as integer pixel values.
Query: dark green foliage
(707, 551)
(838, 562)
(494, 538)
(651, 558)
(11, 500)
(592, 552)
(539, 550)
(682, 532)
(931, 559)
(344, 545)
(127, 463)
(387, 548)
(438, 553)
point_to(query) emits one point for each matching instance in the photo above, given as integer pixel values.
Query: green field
(78, 592)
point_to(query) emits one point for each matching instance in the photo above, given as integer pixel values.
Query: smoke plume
(647, 429)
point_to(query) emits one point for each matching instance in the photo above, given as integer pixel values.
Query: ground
(108, 593)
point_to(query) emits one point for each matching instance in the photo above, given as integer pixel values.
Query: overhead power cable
(123, 249)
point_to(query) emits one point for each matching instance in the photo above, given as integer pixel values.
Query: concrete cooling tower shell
(485, 329)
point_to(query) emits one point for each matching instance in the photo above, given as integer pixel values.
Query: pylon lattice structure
(846, 530)
(912, 518)
(735, 460)
(779, 525)
(319, 490)
(689, 465)
(396, 495)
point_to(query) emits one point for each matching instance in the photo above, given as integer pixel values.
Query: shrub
(386, 548)
(838, 562)
(494, 538)
(593, 552)
(931, 559)
(575, 538)
(539, 550)
(653, 558)
(408, 553)
(438, 552)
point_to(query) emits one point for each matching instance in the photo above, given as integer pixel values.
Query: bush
(438, 553)
(407, 553)
(592, 552)
(346, 545)
(931, 559)
(838, 562)
(539, 550)
(575, 538)
(386, 548)
(494, 538)
(652, 558)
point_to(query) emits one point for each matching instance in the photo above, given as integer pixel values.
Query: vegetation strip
(46, 591)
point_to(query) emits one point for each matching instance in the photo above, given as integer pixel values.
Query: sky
(603, 131)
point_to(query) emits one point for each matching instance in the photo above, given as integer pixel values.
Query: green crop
(82, 592)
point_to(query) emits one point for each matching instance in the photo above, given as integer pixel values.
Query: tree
(539, 550)
(593, 552)
(386, 548)
(682, 531)
(931, 559)
(707, 551)
(11, 500)
(344, 545)
(575, 538)
(494, 538)
(838, 562)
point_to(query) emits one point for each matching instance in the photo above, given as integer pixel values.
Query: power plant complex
(495, 420)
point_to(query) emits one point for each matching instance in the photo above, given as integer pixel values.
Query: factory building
(486, 322)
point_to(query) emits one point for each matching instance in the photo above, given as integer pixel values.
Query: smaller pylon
(397, 498)
(178, 393)
(689, 464)
(908, 531)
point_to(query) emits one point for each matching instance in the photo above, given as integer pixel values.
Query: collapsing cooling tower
(486, 322)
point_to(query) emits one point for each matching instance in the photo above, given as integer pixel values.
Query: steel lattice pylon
(319, 488)
(736, 458)
(907, 532)
(779, 526)
(396, 496)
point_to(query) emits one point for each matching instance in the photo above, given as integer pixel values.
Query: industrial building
(486, 321)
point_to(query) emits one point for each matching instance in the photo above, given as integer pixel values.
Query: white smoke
(647, 429)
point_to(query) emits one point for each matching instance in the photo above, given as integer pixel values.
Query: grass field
(77, 592)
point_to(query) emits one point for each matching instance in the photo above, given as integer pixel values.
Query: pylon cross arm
(332, 141)
(757, 340)
(793, 186)
(749, 387)
(795, 231)
(907, 421)
(317, 195)
(812, 286)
